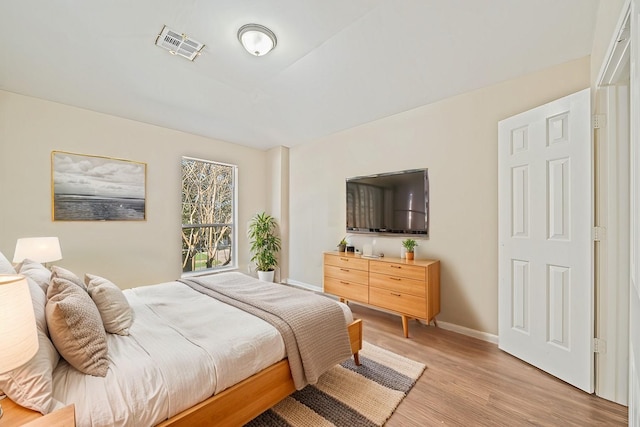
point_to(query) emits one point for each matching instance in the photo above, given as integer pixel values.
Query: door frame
(612, 180)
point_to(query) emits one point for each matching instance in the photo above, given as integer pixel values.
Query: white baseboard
(484, 336)
(303, 285)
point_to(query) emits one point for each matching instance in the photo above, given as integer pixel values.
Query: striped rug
(348, 395)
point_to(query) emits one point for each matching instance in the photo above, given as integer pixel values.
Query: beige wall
(128, 253)
(278, 203)
(457, 140)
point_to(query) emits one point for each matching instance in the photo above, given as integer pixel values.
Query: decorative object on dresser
(38, 249)
(265, 245)
(18, 332)
(342, 245)
(409, 245)
(410, 288)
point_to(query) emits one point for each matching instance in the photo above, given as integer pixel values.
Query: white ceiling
(338, 63)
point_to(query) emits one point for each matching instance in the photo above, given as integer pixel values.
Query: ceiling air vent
(178, 44)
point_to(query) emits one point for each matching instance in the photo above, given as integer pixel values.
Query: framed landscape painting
(95, 188)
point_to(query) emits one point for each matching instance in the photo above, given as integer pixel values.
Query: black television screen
(395, 202)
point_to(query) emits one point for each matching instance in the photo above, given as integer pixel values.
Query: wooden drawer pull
(395, 266)
(395, 278)
(346, 270)
(394, 294)
(344, 283)
(344, 259)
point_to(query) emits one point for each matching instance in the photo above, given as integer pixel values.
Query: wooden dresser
(410, 288)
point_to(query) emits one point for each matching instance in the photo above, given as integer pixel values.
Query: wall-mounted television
(393, 203)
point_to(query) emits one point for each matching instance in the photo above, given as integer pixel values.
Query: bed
(187, 358)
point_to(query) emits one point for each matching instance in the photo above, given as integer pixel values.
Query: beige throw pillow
(65, 274)
(113, 306)
(76, 328)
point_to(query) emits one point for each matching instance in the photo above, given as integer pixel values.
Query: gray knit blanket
(313, 327)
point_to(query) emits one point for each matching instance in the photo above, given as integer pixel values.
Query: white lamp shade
(38, 249)
(258, 40)
(18, 333)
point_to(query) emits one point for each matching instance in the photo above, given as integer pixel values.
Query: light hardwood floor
(469, 382)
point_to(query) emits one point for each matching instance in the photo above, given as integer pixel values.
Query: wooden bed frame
(235, 406)
(246, 400)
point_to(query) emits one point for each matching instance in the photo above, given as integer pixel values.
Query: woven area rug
(348, 395)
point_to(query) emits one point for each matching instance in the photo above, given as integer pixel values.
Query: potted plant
(342, 245)
(409, 245)
(265, 245)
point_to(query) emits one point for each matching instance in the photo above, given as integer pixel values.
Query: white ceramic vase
(266, 276)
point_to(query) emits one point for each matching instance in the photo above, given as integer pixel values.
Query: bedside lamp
(39, 249)
(18, 332)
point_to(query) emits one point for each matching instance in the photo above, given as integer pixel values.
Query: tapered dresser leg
(405, 326)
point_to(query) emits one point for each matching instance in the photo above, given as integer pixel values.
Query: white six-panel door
(545, 243)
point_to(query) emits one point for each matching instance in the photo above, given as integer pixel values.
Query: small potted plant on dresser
(342, 246)
(409, 245)
(265, 245)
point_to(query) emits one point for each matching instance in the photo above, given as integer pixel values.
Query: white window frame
(233, 265)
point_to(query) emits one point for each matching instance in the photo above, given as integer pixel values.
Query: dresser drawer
(344, 273)
(398, 284)
(347, 261)
(403, 303)
(346, 289)
(397, 269)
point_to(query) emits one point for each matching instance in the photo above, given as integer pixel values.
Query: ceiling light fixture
(257, 39)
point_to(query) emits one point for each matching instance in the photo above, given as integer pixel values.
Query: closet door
(545, 245)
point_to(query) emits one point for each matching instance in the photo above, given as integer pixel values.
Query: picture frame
(97, 188)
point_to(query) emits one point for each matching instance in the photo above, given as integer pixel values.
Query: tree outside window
(208, 212)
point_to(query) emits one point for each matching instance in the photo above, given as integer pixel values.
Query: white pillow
(113, 306)
(5, 265)
(76, 327)
(38, 272)
(31, 385)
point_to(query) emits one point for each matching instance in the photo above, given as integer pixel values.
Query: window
(208, 215)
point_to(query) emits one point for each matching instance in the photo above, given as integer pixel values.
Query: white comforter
(183, 347)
